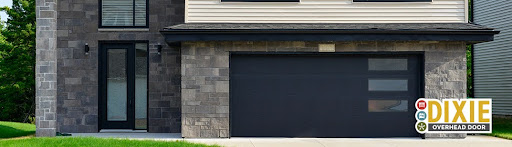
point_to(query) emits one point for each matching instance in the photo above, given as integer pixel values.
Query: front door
(123, 85)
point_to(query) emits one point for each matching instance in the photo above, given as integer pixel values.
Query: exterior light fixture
(86, 48)
(159, 47)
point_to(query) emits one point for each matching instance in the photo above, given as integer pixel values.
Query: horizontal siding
(493, 60)
(324, 11)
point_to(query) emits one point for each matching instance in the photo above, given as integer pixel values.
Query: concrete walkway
(470, 141)
(152, 136)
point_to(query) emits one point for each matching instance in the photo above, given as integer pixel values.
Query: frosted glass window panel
(123, 13)
(141, 76)
(116, 85)
(387, 64)
(141, 103)
(387, 85)
(387, 105)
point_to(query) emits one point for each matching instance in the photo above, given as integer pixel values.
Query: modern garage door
(331, 95)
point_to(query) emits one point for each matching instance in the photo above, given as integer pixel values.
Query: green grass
(90, 141)
(502, 127)
(14, 129)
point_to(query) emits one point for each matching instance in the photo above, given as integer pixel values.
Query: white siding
(325, 11)
(493, 60)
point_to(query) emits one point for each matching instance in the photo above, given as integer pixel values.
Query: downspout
(471, 20)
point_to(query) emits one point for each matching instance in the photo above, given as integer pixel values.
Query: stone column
(46, 67)
(445, 76)
(204, 90)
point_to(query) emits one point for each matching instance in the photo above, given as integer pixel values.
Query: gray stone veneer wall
(46, 67)
(77, 94)
(205, 76)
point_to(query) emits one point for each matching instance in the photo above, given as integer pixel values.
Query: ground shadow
(10, 132)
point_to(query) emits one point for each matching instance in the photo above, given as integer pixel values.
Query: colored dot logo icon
(421, 116)
(421, 105)
(421, 126)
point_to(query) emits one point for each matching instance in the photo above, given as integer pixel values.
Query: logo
(453, 116)
(421, 105)
(421, 127)
(421, 115)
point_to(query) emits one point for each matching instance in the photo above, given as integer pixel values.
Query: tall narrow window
(124, 13)
(141, 87)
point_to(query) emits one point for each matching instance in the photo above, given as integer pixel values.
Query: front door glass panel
(116, 85)
(141, 80)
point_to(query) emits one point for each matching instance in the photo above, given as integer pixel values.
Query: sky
(4, 3)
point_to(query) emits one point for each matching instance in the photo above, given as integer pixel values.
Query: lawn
(502, 127)
(14, 129)
(90, 141)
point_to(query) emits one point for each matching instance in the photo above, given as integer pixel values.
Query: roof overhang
(329, 32)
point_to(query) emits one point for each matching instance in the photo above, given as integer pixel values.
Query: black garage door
(330, 95)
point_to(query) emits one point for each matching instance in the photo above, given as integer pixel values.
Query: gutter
(328, 31)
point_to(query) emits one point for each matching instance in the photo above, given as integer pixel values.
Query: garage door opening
(324, 95)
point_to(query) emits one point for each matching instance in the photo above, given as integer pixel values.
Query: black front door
(330, 95)
(123, 85)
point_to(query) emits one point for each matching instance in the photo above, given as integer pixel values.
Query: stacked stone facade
(188, 83)
(205, 76)
(76, 86)
(46, 68)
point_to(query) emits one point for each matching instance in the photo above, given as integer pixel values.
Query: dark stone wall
(77, 82)
(46, 68)
(205, 76)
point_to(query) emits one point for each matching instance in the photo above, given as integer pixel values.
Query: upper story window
(392, 0)
(124, 13)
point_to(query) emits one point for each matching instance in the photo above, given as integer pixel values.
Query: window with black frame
(124, 13)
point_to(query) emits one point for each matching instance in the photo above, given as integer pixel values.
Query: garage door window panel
(388, 85)
(387, 64)
(388, 105)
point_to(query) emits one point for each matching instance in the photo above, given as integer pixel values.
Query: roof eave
(469, 36)
(324, 31)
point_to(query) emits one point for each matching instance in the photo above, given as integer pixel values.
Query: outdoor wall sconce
(86, 48)
(159, 47)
